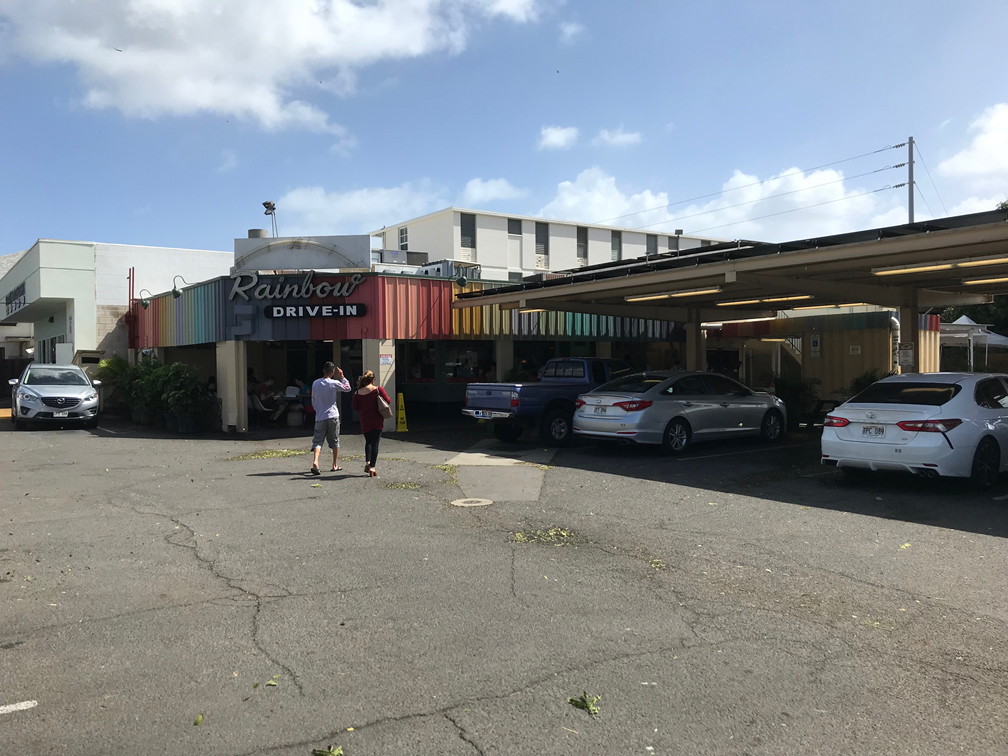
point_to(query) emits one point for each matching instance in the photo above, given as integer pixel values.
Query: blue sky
(169, 122)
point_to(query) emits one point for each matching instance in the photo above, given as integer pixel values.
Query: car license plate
(481, 413)
(873, 431)
(61, 414)
(600, 410)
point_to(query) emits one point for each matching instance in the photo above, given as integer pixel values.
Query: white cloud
(570, 31)
(229, 161)
(557, 137)
(617, 138)
(150, 58)
(983, 165)
(790, 205)
(479, 192)
(516, 10)
(311, 210)
(345, 143)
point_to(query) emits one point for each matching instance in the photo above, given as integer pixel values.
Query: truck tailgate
(489, 399)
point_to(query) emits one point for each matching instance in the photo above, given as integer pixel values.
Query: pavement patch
(471, 502)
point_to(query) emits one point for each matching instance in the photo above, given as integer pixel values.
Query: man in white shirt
(325, 400)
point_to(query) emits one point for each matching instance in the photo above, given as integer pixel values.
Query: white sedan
(931, 424)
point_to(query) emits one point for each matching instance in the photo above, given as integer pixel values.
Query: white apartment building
(509, 247)
(72, 295)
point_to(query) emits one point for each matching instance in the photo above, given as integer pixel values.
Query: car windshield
(41, 376)
(906, 392)
(637, 383)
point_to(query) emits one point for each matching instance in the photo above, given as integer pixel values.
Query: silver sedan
(676, 409)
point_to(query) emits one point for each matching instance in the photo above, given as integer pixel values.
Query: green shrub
(866, 379)
(799, 395)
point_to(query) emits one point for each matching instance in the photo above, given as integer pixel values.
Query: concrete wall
(844, 355)
(111, 331)
(154, 269)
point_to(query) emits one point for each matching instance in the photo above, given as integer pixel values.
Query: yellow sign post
(400, 421)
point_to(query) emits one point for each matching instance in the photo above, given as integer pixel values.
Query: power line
(770, 196)
(746, 186)
(921, 195)
(797, 209)
(917, 150)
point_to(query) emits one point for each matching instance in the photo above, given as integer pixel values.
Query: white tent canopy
(965, 332)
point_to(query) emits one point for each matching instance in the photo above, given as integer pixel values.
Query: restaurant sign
(247, 286)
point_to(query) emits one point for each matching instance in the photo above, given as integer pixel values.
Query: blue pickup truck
(547, 404)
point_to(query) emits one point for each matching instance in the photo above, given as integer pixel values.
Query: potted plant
(186, 397)
(114, 374)
(143, 391)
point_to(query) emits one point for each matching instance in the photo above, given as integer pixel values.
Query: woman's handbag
(383, 407)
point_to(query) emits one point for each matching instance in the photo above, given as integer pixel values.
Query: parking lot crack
(463, 734)
(185, 537)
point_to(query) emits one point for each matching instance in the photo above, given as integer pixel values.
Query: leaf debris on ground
(586, 702)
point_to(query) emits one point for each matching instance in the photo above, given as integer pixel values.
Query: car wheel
(507, 431)
(986, 465)
(19, 424)
(677, 437)
(555, 428)
(772, 427)
(92, 423)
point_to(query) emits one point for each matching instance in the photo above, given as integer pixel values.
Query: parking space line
(10, 708)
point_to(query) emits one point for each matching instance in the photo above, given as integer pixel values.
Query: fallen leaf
(905, 546)
(198, 721)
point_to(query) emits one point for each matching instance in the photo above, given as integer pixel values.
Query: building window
(514, 226)
(467, 227)
(582, 243)
(403, 238)
(651, 245)
(673, 244)
(542, 246)
(617, 246)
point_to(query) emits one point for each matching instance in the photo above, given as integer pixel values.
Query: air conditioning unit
(542, 262)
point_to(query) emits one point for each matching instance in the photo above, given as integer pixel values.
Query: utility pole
(910, 179)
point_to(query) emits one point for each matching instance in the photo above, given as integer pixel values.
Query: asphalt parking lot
(740, 599)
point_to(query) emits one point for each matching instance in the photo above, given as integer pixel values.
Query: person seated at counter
(296, 395)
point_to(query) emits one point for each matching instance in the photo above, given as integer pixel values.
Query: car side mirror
(96, 383)
(13, 381)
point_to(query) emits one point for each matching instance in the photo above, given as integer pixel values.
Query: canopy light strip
(832, 306)
(671, 294)
(973, 262)
(979, 281)
(767, 300)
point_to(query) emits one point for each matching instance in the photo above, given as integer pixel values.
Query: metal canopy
(949, 261)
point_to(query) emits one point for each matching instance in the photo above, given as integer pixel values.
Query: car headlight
(91, 397)
(26, 396)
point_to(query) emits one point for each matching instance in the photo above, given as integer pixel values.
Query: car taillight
(929, 426)
(514, 398)
(832, 421)
(579, 403)
(633, 405)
